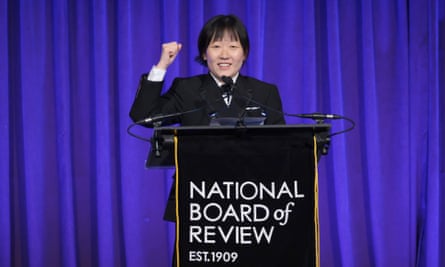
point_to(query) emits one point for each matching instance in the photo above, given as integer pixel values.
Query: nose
(224, 53)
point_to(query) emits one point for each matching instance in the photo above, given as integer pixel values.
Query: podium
(245, 196)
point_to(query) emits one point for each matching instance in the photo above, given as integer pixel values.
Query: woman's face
(224, 57)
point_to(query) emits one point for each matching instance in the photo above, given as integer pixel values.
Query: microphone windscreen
(227, 80)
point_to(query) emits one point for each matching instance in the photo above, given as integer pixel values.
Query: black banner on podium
(247, 199)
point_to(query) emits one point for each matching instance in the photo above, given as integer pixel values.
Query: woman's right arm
(148, 95)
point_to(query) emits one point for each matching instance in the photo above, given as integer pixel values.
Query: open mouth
(224, 65)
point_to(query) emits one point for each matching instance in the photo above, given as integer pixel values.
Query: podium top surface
(205, 130)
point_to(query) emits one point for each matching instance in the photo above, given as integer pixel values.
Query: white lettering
(246, 190)
(195, 213)
(200, 191)
(214, 212)
(243, 235)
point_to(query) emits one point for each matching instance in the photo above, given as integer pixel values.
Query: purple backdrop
(73, 187)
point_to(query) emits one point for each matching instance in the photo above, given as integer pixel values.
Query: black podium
(245, 196)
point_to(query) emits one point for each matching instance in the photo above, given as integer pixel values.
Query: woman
(223, 46)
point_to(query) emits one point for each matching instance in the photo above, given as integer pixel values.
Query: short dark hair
(214, 30)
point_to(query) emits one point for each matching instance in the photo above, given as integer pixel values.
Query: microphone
(319, 116)
(228, 86)
(158, 119)
(227, 80)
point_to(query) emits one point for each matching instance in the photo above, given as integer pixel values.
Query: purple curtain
(73, 187)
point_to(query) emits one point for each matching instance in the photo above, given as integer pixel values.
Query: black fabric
(210, 162)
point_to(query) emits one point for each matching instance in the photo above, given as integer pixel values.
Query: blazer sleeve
(147, 95)
(275, 113)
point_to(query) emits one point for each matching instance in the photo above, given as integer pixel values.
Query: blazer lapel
(242, 93)
(211, 94)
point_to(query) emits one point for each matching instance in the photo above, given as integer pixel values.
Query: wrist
(161, 66)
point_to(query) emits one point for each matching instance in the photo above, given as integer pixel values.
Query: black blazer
(201, 95)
